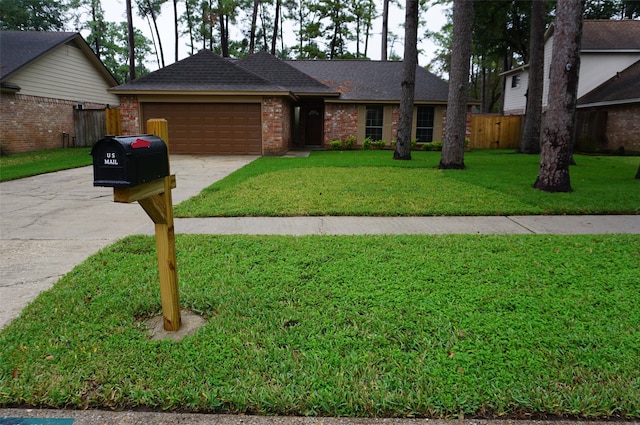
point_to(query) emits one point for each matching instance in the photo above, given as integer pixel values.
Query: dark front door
(312, 120)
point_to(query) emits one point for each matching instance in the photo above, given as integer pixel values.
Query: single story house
(45, 78)
(608, 107)
(263, 105)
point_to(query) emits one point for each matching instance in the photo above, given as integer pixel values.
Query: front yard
(371, 183)
(508, 326)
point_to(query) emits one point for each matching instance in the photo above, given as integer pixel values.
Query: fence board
(90, 126)
(114, 127)
(495, 132)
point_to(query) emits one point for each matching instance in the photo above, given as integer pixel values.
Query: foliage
(371, 183)
(366, 145)
(357, 326)
(33, 163)
(350, 142)
(335, 144)
(32, 15)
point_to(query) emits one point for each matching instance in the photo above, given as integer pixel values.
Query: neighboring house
(264, 105)
(608, 109)
(45, 78)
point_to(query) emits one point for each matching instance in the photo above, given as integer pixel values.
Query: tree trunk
(274, 39)
(385, 30)
(558, 134)
(638, 173)
(254, 18)
(456, 121)
(530, 142)
(175, 29)
(155, 26)
(403, 142)
(131, 44)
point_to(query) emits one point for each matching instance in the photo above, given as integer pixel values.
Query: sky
(435, 18)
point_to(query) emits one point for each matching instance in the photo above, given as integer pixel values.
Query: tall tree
(131, 42)
(385, 30)
(151, 9)
(252, 31)
(176, 30)
(405, 120)
(456, 121)
(530, 141)
(34, 15)
(558, 134)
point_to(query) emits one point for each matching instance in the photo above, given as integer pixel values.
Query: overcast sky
(435, 19)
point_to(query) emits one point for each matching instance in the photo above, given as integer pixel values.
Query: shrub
(414, 143)
(432, 146)
(335, 144)
(366, 145)
(350, 142)
(380, 144)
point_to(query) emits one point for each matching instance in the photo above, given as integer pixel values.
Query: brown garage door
(210, 128)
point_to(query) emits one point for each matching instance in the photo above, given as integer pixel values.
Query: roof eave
(608, 103)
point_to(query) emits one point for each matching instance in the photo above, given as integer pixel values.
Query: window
(515, 81)
(373, 124)
(424, 124)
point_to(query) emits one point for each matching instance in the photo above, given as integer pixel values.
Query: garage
(210, 128)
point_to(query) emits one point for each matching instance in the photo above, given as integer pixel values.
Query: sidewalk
(588, 224)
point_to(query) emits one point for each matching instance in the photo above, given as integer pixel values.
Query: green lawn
(33, 163)
(434, 326)
(366, 183)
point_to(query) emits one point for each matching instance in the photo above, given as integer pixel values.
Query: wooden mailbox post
(155, 198)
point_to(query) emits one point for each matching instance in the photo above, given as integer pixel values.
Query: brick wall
(31, 123)
(130, 115)
(623, 127)
(276, 125)
(340, 122)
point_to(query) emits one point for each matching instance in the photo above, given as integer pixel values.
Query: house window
(515, 81)
(424, 124)
(373, 124)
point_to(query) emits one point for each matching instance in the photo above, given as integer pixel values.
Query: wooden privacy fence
(114, 127)
(495, 132)
(89, 126)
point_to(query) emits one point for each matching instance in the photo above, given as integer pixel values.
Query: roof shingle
(19, 48)
(611, 35)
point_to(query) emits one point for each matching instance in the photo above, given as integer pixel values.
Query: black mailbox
(124, 161)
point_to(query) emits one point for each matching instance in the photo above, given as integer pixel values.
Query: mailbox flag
(140, 143)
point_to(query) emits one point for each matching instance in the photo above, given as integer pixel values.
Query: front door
(312, 121)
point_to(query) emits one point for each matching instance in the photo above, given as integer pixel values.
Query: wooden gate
(495, 131)
(90, 126)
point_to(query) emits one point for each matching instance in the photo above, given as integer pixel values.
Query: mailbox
(124, 161)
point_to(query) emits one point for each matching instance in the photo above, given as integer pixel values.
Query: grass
(33, 163)
(371, 183)
(435, 326)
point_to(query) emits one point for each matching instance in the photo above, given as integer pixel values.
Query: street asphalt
(52, 222)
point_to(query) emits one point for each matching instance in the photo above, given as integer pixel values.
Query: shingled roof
(622, 88)
(611, 35)
(261, 72)
(280, 72)
(204, 72)
(20, 48)
(372, 80)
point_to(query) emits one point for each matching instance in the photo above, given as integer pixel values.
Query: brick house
(45, 78)
(263, 105)
(608, 108)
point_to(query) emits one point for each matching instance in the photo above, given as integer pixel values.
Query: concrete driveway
(52, 222)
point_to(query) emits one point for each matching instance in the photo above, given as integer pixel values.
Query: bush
(432, 146)
(335, 144)
(349, 142)
(366, 145)
(380, 144)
